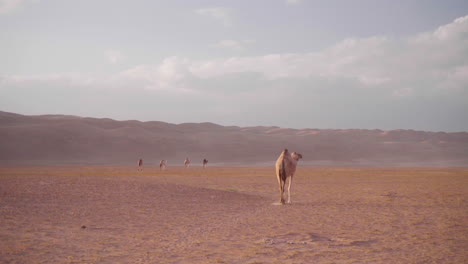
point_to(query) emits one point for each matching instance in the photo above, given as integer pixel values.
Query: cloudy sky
(390, 64)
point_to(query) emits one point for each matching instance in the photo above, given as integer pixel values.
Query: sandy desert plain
(116, 214)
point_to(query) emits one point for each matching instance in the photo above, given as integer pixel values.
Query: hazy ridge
(65, 139)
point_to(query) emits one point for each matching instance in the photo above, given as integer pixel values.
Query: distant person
(205, 162)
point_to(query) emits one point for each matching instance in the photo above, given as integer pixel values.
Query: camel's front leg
(289, 189)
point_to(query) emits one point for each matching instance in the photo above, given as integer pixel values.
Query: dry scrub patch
(106, 214)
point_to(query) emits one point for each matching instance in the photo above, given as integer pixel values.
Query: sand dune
(76, 140)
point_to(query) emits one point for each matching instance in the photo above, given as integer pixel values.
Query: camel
(162, 165)
(285, 168)
(205, 161)
(140, 164)
(187, 162)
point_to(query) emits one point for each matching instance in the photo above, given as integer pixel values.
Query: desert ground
(116, 214)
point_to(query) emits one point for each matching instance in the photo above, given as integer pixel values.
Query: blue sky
(302, 64)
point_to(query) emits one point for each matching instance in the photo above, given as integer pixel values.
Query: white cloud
(170, 74)
(355, 79)
(293, 2)
(229, 44)
(7, 6)
(454, 30)
(403, 92)
(456, 79)
(221, 14)
(425, 62)
(10, 6)
(69, 79)
(114, 56)
(233, 44)
(428, 63)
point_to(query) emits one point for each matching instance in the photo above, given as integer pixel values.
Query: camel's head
(296, 156)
